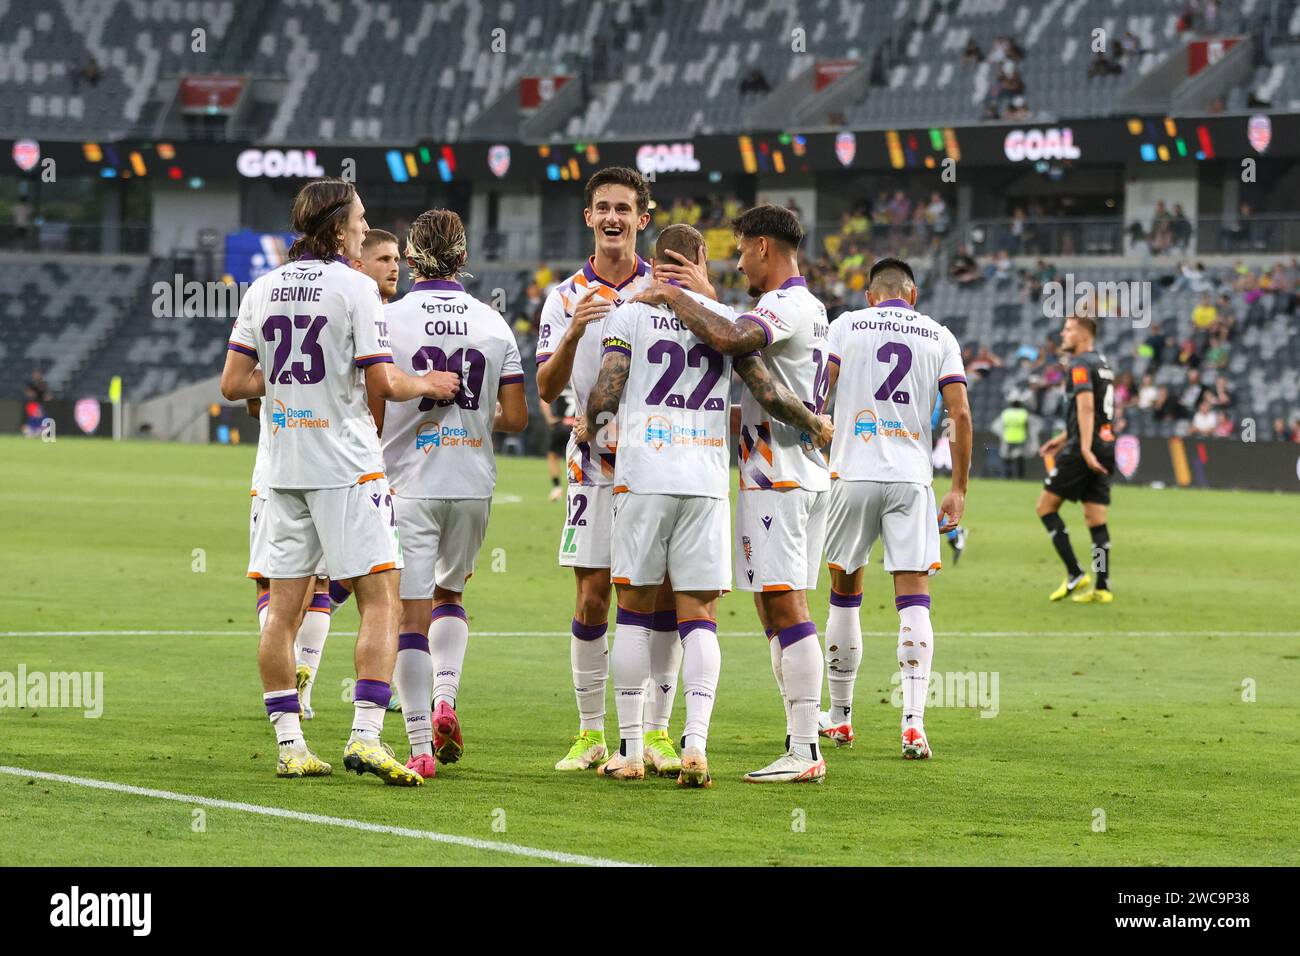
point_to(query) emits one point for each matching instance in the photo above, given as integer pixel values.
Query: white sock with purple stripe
(843, 653)
(413, 674)
(801, 667)
(310, 642)
(370, 702)
(282, 708)
(915, 654)
(774, 649)
(701, 665)
(665, 662)
(589, 658)
(448, 638)
(631, 666)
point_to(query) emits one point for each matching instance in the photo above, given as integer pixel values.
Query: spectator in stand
(1104, 65)
(1205, 419)
(1148, 394)
(1221, 398)
(1224, 427)
(1192, 394)
(1018, 110)
(1204, 314)
(998, 269)
(964, 270)
(1216, 355)
(754, 82)
(1153, 347)
(1124, 390)
(972, 54)
(89, 73)
(1167, 408)
(544, 278)
(982, 362)
(936, 218)
(1180, 228)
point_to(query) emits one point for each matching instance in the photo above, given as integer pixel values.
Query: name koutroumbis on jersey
(286, 416)
(431, 435)
(866, 426)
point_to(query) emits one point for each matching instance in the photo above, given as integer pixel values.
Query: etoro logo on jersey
(286, 416)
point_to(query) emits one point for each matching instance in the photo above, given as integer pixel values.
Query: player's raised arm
(781, 403)
(716, 331)
(675, 267)
(960, 442)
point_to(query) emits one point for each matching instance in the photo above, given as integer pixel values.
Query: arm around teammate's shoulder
(388, 383)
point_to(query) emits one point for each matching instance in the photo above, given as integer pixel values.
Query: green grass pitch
(1124, 734)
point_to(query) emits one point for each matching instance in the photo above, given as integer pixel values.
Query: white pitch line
(493, 846)
(1186, 633)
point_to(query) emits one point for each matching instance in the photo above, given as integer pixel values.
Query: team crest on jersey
(428, 437)
(864, 426)
(1128, 455)
(499, 159)
(846, 147)
(658, 432)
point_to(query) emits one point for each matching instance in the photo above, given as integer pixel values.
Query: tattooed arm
(781, 403)
(716, 331)
(602, 404)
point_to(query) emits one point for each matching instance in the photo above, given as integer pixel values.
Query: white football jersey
(893, 361)
(773, 454)
(442, 448)
(315, 326)
(587, 465)
(674, 417)
(260, 488)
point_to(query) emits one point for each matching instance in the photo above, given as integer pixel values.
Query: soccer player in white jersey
(616, 201)
(671, 484)
(318, 327)
(442, 470)
(379, 260)
(313, 625)
(781, 512)
(887, 362)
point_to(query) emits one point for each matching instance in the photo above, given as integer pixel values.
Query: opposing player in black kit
(1084, 459)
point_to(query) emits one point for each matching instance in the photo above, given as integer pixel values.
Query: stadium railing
(1115, 236)
(60, 237)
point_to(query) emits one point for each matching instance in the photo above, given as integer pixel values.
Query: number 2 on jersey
(887, 353)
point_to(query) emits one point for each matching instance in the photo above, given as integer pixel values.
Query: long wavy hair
(319, 215)
(436, 245)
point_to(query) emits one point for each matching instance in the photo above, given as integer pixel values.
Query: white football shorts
(779, 538)
(685, 537)
(441, 538)
(902, 514)
(584, 541)
(352, 530)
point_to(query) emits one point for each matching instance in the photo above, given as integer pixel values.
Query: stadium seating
(60, 315)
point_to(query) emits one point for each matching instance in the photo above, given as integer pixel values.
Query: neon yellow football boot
(660, 754)
(588, 751)
(1068, 587)
(301, 762)
(374, 756)
(1094, 596)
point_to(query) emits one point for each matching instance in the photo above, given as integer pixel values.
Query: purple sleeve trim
(242, 349)
(617, 348)
(512, 379)
(767, 330)
(834, 358)
(542, 357)
(373, 360)
(952, 380)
